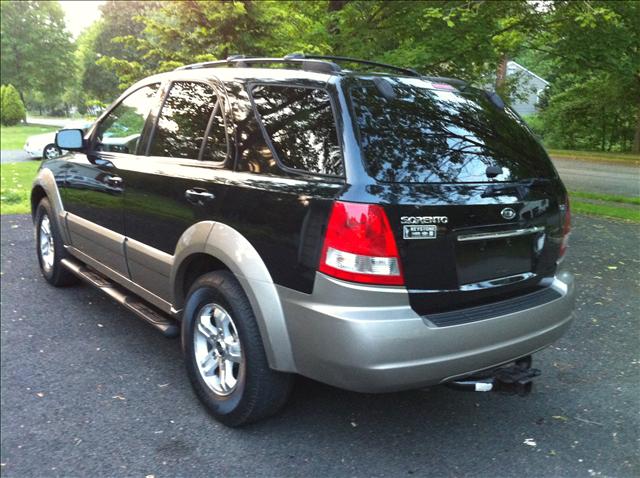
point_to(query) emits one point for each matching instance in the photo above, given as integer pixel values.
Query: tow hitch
(516, 379)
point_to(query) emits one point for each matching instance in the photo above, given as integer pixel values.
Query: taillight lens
(359, 245)
(566, 230)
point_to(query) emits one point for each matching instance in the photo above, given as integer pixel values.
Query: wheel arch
(222, 247)
(45, 185)
(37, 194)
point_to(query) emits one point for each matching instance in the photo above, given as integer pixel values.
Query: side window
(183, 120)
(216, 144)
(121, 129)
(301, 126)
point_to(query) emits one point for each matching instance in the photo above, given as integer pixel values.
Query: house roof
(529, 72)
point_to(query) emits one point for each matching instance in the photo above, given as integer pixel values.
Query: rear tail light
(359, 246)
(566, 229)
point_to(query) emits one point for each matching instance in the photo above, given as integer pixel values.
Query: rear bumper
(370, 340)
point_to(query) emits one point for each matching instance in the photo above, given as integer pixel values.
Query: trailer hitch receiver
(516, 379)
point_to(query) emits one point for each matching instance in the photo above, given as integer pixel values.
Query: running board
(167, 326)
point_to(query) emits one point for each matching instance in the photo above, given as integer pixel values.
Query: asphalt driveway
(14, 156)
(89, 390)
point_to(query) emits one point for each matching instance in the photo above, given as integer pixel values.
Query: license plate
(422, 231)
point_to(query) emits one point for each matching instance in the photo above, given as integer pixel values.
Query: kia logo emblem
(508, 213)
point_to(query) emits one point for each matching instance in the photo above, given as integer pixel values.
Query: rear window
(418, 134)
(301, 126)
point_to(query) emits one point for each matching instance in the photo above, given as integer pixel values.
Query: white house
(528, 90)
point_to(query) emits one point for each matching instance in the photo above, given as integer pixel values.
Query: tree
(12, 108)
(117, 58)
(590, 51)
(36, 48)
(564, 40)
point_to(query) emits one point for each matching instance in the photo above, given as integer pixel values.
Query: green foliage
(590, 52)
(12, 110)
(36, 50)
(113, 54)
(588, 49)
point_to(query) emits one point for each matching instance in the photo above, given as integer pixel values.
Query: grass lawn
(13, 137)
(577, 195)
(15, 187)
(606, 210)
(594, 156)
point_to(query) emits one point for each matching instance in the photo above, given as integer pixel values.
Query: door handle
(198, 196)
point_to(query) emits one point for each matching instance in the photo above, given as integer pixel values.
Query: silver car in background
(44, 145)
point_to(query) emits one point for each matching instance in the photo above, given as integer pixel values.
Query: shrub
(12, 109)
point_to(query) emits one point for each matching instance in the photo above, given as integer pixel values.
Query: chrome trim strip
(499, 234)
(487, 284)
(500, 281)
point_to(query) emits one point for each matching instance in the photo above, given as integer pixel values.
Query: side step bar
(167, 326)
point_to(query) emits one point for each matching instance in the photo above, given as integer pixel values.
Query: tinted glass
(216, 147)
(301, 126)
(421, 134)
(183, 120)
(121, 129)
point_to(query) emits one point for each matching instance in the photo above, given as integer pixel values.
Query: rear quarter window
(301, 127)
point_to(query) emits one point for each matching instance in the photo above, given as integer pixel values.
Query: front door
(181, 181)
(93, 190)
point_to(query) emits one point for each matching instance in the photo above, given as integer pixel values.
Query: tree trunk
(636, 137)
(501, 74)
(604, 130)
(335, 6)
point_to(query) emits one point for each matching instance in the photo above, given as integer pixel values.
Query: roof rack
(242, 61)
(318, 63)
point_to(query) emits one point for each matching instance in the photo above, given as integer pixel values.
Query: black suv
(376, 231)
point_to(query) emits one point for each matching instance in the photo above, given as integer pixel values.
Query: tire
(251, 390)
(50, 247)
(51, 151)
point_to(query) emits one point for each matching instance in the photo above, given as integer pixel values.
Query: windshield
(415, 133)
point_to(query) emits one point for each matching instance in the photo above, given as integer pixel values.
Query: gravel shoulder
(89, 390)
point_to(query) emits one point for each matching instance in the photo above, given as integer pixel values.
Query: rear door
(473, 198)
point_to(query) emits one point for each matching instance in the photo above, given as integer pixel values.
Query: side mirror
(70, 139)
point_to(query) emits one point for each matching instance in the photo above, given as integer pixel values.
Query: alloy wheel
(217, 348)
(47, 250)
